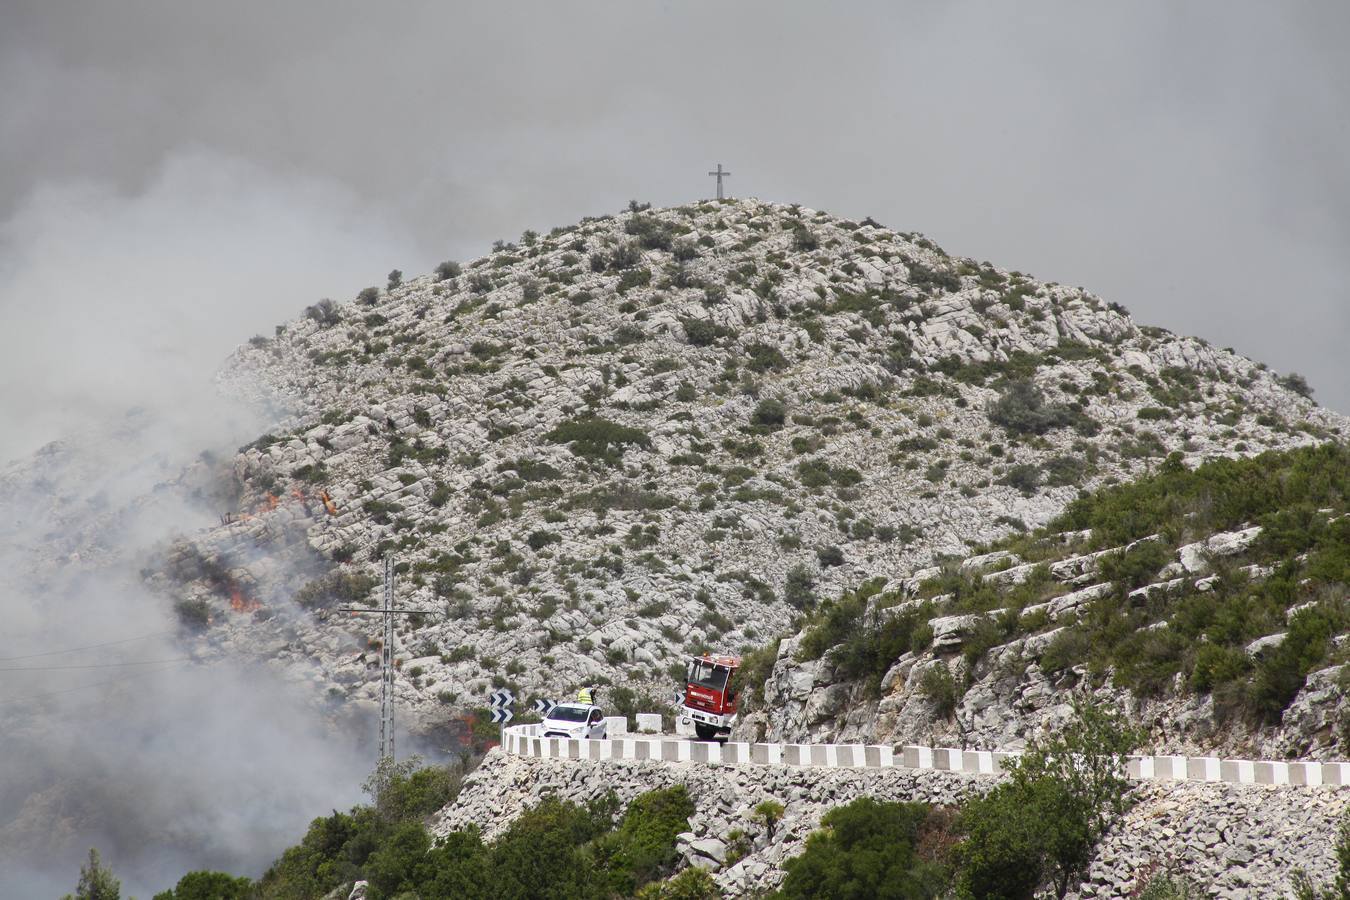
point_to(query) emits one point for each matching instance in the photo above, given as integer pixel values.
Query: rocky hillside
(594, 451)
(1212, 604)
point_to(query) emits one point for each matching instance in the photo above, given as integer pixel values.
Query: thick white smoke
(117, 309)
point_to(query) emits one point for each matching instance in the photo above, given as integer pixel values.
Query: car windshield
(708, 676)
(568, 713)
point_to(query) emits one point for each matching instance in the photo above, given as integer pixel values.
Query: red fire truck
(711, 695)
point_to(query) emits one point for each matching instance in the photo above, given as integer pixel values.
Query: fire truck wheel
(705, 732)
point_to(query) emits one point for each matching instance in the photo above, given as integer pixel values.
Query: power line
(86, 647)
(141, 662)
(82, 687)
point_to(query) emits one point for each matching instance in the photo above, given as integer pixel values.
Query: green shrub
(209, 886)
(597, 438)
(1026, 477)
(325, 312)
(1296, 383)
(769, 412)
(1021, 409)
(693, 883)
(703, 332)
(764, 358)
(194, 615)
(642, 847)
(939, 688)
(800, 588)
(829, 556)
(1282, 672)
(447, 270)
(368, 296)
(335, 587)
(1042, 824)
(538, 540)
(866, 848)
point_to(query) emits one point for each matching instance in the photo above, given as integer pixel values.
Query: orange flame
(240, 601)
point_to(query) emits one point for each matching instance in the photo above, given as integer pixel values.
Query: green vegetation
(1042, 824)
(556, 849)
(868, 848)
(209, 886)
(1300, 499)
(770, 413)
(704, 332)
(96, 881)
(1021, 408)
(1034, 831)
(335, 587)
(863, 644)
(597, 438)
(325, 312)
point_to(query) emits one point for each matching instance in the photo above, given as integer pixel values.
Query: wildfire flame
(272, 501)
(240, 601)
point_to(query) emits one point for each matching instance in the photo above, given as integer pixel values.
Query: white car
(574, 720)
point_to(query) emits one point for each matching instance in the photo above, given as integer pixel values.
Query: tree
(209, 886)
(1060, 798)
(96, 881)
(393, 868)
(395, 279)
(405, 791)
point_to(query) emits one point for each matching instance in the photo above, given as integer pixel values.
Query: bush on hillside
(448, 270)
(1298, 384)
(703, 332)
(1021, 408)
(770, 412)
(868, 848)
(1040, 825)
(325, 312)
(596, 438)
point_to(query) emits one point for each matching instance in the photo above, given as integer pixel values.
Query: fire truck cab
(711, 695)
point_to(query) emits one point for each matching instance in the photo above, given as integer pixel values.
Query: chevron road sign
(543, 706)
(501, 698)
(501, 715)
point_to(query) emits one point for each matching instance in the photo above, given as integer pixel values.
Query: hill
(596, 450)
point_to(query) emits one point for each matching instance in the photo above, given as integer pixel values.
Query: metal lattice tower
(387, 664)
(387, 613)
(720, 174)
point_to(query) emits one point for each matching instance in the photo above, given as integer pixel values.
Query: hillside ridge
(597, 450)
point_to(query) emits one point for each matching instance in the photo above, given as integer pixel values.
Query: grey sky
(189, 174)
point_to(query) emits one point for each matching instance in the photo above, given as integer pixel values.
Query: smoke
(119, 305)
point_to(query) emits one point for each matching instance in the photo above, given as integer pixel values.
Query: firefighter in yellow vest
(586, 695)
